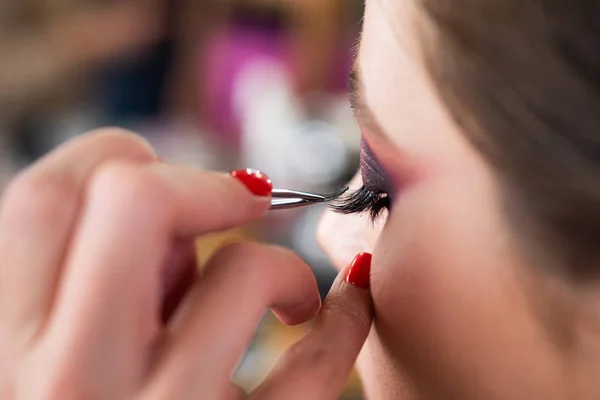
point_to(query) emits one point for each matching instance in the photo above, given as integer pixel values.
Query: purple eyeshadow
(373, 175)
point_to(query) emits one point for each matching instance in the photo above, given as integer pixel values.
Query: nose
(344, 236)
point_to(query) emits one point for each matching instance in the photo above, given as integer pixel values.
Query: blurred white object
(185, 143)
(279, 139)
(316, 154)
(265, 104)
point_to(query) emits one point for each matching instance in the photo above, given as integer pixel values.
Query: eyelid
(373, 174)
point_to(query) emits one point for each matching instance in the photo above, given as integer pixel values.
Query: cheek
(435, 259)
(444, 289)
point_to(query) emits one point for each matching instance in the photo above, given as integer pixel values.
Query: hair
(522, 80)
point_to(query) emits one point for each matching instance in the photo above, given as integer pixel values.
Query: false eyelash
(362, 200)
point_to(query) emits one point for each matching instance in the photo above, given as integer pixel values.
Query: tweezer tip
(283, 199)
(336, 195)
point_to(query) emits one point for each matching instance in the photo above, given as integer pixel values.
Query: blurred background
(221, 84)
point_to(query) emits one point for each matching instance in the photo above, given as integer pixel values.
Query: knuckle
(260, 268)
(240, 258)
(229, 252)
(248, 262)
(128, 186)
(36, 198)
(121, 138)
(319, 359)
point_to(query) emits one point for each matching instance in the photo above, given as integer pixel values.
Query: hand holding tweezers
(283, 199)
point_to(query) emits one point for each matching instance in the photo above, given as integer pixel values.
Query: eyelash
(363, 200)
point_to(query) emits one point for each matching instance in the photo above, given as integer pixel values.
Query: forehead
(396, 17)
(388, 66)
(395, 84)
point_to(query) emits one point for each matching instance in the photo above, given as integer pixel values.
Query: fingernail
(359, 271)
(256, 182)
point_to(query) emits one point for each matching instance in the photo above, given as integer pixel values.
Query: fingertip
(118, 138)
(350, 296)
(255, 181)
(311, 304)
(358, 272)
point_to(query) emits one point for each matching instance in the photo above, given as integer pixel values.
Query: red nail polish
(256, 182)
(359, 271)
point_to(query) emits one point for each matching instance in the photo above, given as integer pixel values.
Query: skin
(460, 311)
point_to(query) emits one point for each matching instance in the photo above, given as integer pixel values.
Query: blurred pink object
(229, 51)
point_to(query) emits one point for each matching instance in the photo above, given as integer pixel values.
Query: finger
(318, 366)
(36, 221)
(107, 312)
(219, 317)
(179, 273)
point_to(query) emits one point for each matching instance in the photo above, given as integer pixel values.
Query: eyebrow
(362, 112)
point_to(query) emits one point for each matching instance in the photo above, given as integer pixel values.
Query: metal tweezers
(283, 199)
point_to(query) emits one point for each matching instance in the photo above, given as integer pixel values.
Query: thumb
(317, 366)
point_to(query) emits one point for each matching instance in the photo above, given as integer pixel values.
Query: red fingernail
(256, 182)
(359, 271)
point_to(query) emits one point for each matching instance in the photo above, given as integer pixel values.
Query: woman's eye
(363, 200)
